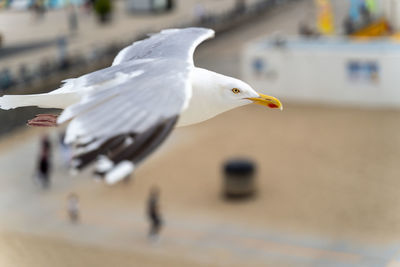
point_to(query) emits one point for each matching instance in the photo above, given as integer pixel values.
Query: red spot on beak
(271, 105)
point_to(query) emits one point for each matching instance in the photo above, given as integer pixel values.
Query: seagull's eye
(235, 91)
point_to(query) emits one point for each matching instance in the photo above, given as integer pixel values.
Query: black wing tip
(117, 152)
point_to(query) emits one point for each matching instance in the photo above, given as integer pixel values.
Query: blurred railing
(48, 74)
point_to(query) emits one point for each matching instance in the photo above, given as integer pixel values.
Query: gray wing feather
(171, 43)
(161, 92)
(142, 106)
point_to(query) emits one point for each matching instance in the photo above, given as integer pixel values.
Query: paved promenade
(300, 217)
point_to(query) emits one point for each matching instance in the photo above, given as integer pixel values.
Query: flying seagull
(119, 115)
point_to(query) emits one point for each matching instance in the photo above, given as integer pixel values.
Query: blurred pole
(73, 207)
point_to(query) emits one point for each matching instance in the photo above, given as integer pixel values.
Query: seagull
(120, 114)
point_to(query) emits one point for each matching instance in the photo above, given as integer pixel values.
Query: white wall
(320, 72)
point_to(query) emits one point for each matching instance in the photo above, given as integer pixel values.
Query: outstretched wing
(128, 109)
(171, 43)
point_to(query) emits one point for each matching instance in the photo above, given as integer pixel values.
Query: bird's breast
(192, 116)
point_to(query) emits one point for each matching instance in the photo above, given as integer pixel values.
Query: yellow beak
(266, 100)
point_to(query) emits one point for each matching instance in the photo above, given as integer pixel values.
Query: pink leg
(43, 120)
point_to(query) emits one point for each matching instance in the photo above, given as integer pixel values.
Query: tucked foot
(43, 120)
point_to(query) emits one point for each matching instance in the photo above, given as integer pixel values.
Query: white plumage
(120, 114)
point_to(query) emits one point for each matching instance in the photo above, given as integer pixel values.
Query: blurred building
(326, 70)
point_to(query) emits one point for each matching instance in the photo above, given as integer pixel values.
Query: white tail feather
(40, 100)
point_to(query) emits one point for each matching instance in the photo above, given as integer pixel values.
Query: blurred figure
(24, 75)
(306, 30)
(73, 207)
(6, 80)
(39, 8)
(366, 16)
(258, 67)
(72, 20)
(44, 69)
(153, 212)
(349, 26)
(62, 52)
(93, 55)
(44, 164)
(89, 5)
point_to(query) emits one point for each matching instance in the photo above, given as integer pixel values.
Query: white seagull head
(214, 93)
(238, 93)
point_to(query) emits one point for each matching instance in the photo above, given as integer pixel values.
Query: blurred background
(314, 185)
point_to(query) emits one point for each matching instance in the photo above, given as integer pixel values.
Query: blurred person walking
(89, 6)
(153, 213)
(38, 6)
(366, 16)
(72, 20)
(73, 207)
(62, 44)
(349, 25)
(24, 75)
(44, 163)
(6, 79)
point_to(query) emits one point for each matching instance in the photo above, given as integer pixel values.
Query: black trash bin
(239, 178)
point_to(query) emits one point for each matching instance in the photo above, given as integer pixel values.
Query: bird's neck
(205, 101)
